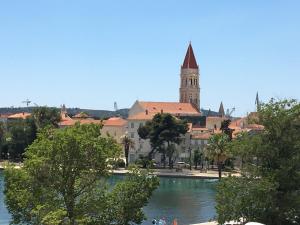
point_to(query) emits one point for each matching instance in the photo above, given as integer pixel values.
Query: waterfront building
(114, 127)
(141, 112)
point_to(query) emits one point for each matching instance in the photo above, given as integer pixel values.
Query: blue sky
(90, 54)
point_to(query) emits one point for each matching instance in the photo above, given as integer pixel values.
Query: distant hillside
(206, 112)
(100, 114)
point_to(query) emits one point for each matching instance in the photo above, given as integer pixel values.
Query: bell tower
(189, 90)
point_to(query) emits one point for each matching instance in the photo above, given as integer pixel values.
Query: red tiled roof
(89, 121)
(141, 116)
(4, 116)
(190, 60)
(237, 123)
(71, 122)
(174, 108)
(67, 122)
(115, 121)
(23, 115)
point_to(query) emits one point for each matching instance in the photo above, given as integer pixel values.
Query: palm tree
(128, 143)
(216, 149)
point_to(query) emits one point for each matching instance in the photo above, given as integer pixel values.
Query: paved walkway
(211, 174)
(185, 173)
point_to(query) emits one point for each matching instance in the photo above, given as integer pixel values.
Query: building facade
(142, 111)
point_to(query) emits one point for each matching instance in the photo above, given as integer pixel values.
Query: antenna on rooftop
(27, 102)
(115, 106)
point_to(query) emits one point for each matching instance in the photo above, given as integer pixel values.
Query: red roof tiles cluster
(170, 107)
(23, 115)
(174, 108)
(115, 121)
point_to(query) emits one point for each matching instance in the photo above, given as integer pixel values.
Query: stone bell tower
(189, 80)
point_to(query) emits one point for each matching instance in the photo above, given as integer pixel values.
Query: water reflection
(187, 200)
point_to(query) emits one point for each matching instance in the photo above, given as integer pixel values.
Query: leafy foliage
(225, 128)
(2, 136)
(128, 197)
(20, 133)
(61, 183)
(269, 189)
(45, 116)
(128, 143)
(164, 130)
(198, 157)
(216, 149)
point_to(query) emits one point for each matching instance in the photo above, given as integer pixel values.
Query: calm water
(188, 200)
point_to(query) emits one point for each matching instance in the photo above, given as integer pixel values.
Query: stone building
(141, 112)
(189, 91)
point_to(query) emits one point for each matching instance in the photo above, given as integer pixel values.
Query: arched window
(191, 81)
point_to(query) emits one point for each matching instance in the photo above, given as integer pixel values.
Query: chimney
(146, 111)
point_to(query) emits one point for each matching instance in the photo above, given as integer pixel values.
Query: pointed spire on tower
(221, 110)
(190, 60)
(257, 102)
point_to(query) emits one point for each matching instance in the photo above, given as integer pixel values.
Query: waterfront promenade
(209, 174)
(184, 173)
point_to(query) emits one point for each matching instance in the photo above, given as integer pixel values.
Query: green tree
(128, 197)
(128, 143)
(225, 128)
(164, 130)
(197, 158)
(216, 150)
(21, 133)
(2, 138)
(268, 190)
(45, 116)
(62, 181)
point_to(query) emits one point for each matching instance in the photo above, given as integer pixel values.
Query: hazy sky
(90, 54)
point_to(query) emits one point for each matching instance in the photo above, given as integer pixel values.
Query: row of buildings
(201, 127)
